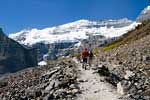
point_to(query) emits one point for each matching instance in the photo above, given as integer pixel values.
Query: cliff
(13, 56)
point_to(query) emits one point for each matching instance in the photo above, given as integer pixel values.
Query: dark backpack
(90, 54)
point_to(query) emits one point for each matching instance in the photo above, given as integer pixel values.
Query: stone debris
(130, 63)
(50, 82)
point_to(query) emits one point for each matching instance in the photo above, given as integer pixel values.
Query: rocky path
(93, 87)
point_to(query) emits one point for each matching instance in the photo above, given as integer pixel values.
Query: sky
(16, 15)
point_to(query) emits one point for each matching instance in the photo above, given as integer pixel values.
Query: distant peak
(83, 20)
(146, 10)
(144, 15)
(148, 7)
(125, 19)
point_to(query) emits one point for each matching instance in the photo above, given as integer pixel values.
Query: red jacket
(85, 53)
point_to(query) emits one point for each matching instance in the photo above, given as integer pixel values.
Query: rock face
(52, 51)
(145, 15)
(13, 56)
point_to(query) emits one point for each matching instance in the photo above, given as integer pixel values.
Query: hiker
(85, 55)
(90, 57)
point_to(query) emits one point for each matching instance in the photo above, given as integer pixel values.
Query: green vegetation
(113, 45)
(76, 55)
(51, 62)
(95, 51)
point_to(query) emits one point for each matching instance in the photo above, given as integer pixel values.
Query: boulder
(123, 86)
(103, 71)
(129, 74)
(120, 88)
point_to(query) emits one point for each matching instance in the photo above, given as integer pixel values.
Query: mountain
(51, 41)
(73, 32)
(126, 67)
(144, 15)
(13, 56)
(125, 64)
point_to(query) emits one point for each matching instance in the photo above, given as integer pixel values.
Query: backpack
(90, 54)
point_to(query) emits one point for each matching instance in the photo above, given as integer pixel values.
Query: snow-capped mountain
(73, 32)
(50, 42)
(144, 15)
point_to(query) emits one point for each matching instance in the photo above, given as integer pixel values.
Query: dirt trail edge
(94, 87)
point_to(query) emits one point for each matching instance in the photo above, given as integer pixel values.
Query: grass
(95, 51)
(113, 45)
(76, 55)
(56, 61)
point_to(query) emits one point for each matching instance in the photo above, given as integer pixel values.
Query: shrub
(113, 45)
(95, 51)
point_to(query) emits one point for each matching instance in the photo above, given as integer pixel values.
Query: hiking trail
(94, 87)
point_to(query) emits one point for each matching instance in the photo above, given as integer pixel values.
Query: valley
(45, 64)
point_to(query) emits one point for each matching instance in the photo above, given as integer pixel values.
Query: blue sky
(16, 15)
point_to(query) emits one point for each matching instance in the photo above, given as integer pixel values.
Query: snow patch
(115, 32)
(42, 63)
(146, 10)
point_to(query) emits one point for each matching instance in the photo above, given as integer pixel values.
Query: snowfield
(74, 32)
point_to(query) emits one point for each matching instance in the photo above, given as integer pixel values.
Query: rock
(129, 74)
(38, 93)
(147, 93)
(49, 97)
(3, 83)
(96, 91)
(74, 91)
(123, 86)
(103, 71)
(61, 93)
(50, 86)
(113, 79)
(30, 93)
(146, 58)
(70, 96)
(72, 86)
(120, 89)
(80, 80)
(86, 80)
(23, 98)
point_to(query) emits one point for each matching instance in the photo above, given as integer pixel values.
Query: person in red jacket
(85, 55)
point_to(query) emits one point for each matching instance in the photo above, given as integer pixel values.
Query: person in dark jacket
(90, 57)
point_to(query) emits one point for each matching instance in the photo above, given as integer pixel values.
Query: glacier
(74, 31)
